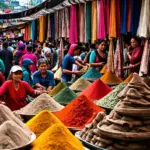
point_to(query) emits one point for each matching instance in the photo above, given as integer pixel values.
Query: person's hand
(132, 66)
(88, 65)
(79, 73)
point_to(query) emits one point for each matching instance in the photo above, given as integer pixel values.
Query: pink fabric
(26, 33)
(107, 15)
(101, 23)
(73, 25)
(71, 49)
(33, 57)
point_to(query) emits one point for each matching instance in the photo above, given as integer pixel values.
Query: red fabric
(71, 49)
(96, 90)
(15, 99)
(2, 79)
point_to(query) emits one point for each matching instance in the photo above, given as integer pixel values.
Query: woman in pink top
(30, 55)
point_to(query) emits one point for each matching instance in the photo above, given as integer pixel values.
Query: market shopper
(2, 66)
(26, 65)
(15, 91)
(67, 63)
(38, 50)
(98, 58)
(134, 53)
(43, 78)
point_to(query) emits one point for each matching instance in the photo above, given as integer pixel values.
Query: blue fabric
(135, 15)
(52, 21)
(124, 17)
(67, 63)
(46, 82)
(33, 30)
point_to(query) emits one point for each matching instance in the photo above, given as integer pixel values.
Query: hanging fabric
(107, 14)
(29, 32)
(118, 58)
(144, 29)
(135, 14)
(88, 20)
(56, 25)
(94, 21)
(42, 28)
(98, 15)
(110, 60)
(33, 30)
(101, 25)
(124, 17)
(128, 15)
(49, 28)
(73, 25)
(26, 33)
(145, 59)
(64, 32)
(60, 12)
(61, 55)
(81, 23)
(67, 21)
(52, 25)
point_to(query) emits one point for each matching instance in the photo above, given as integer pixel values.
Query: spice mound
(65, 96)
(42, 102)
(80, 85)
(110, 78)
(12, 135)
(58, 74)
(111, 99)
(128, 125)
(7, 115)
(97, 90)
(104, 69)
(57, 137)
(57, 89)
(78, 113)
(92, 73)
(128, 79)
(41, 122)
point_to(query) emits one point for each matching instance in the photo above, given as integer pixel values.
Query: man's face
(39, 48)
(43, 68)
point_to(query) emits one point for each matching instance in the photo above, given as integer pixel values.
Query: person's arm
(131, 66)
(36, 81)
(51, 83)
(3, 89)
(78, 63)
(66, 71)
(2, 67)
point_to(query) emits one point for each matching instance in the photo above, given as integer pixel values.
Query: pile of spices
(12, 136)
(110, 78)
(78, 112)
(92, 73)
(104, 69)
(65, 96)
(42, 102)
(57, 137)
(110, 100)
(41, 122)
(128, 125)
(58, 74)
(128, 79)
(57, 89)
(80, 85)
(96, 90)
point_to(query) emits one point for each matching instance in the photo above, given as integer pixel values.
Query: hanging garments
(98, 15)
(73, 25)
(67, 21)
(81, 23)
(49, 28)
(56, 25)
(33, 30)
(135, 14)
(144, 29)
(124, 17)
(60, 15)
(101, 23)
(64, 32)
(118, 58)
(88, 20)
(52, 25)
(26, 33)
(42, 28)
(110, 60)
(128, 15)
(145, 59)
(94, 21)
(107, 15)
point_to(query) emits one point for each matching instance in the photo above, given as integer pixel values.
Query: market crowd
(27, 67)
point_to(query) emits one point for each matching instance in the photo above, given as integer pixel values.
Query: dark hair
(42, 61)
(101, 41)
(92, 46)
(47, 44)
(29, 48)
(136, 38)
(5, 45)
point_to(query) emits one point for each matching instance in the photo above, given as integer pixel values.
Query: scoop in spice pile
(42, 102)
(79, 112)
(128, 125)
(97, 90)
(111, 99)
(41, 122)
(57, 137)
(57, 89)
(65, 96)
(80, 85)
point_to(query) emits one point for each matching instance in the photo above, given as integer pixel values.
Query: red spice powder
(97, 90)
(79, 112)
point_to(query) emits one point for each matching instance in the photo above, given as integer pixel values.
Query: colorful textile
(42, 28)
(64, 28)
(88, 20)
(52, 21)
(107, 15)
(56, 25)
(49, 28)
(94, 21)
(60, 15)
(67, 21)
(73, 25)
(33, 30)
(128, 15)
(124, 17)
